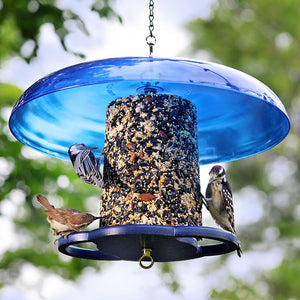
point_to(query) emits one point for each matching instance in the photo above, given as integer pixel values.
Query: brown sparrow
(65, 221)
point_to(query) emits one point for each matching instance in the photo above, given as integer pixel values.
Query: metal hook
(150, 39)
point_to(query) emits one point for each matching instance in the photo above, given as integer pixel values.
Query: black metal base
(167, 243)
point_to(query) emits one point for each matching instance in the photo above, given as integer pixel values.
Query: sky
(126, 280)
(109, 38)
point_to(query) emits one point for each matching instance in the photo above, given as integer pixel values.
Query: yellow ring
(146, 254)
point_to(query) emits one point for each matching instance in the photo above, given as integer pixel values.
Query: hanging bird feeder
(157, 119)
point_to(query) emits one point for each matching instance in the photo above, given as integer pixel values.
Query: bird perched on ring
(219, 200)
(85, 164)
(64, 221)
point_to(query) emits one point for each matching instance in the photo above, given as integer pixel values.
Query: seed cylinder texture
(151, 165)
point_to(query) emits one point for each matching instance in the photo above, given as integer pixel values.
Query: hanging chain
(150, 39)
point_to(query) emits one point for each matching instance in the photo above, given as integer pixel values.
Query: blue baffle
(238, 116)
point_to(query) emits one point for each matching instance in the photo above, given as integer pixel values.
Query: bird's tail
(203, 200)
(45, 202)
(239, 250)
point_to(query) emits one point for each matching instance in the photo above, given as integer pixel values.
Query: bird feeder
(158, 119)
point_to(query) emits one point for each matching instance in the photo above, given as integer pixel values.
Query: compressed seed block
(151, 165)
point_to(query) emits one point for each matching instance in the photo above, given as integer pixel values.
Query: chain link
(150, 39)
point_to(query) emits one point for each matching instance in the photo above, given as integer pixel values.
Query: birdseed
(151, 164)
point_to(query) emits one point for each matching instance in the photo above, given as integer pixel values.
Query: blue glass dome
(238, 116)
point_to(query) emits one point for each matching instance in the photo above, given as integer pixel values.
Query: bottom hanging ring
(146, 255)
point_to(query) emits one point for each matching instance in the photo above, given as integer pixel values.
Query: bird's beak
(93, 148)
(211, 179)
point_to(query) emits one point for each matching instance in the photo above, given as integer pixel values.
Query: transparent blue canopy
(238, 116)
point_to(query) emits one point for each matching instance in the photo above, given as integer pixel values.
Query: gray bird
(86, 165)
(219, 200)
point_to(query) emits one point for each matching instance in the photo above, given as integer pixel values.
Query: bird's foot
(66, 235)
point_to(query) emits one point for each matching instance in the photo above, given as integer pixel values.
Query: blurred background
(259, 37)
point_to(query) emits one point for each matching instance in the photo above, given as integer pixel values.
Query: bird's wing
(89, 168)
(83, 162)
(228, 202)
(208, 191)
(81, 220)
(62, 215)
(203, 201)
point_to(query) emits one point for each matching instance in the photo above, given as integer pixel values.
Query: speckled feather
(228, 202)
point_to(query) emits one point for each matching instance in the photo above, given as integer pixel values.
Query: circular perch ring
(167, 243)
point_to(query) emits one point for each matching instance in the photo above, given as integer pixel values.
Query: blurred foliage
(287, 286)
(27, 177)
(261, 38)
(169, 277)
(238, 290)
(26, 173)
(21, 20)
(23, 171)
(278, 284)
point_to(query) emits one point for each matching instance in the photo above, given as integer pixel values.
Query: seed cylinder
(151, 165)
